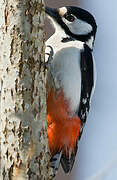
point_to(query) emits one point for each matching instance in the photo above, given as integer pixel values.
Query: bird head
(75, 22)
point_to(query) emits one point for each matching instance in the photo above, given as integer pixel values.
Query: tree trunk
(24, 144)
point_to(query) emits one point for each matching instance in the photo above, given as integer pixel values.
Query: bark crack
(6, 16)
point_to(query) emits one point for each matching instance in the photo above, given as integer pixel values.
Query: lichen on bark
(24, 144)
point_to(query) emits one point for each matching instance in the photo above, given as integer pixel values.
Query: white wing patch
(90, 42)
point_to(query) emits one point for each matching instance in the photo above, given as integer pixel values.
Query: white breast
(66, 70)
(66, 66)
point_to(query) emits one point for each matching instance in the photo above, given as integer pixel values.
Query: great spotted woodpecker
(70, 81)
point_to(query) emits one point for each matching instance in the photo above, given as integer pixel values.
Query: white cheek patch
(78, 26)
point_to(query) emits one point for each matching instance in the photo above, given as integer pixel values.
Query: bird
(71, 79)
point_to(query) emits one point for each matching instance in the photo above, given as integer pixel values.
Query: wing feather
(87, 83)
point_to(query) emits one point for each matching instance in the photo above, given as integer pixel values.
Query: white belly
(67, 74)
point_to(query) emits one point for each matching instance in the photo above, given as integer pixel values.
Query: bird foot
(50, 57)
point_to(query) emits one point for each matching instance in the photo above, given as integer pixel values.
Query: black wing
(87, 83)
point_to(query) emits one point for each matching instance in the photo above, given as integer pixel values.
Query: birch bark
(24, 145)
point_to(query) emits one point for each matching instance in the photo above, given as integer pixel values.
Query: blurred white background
(97, 155)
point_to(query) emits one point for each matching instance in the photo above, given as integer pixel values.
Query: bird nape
(70, 81)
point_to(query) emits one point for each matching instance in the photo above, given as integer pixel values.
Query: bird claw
(50, 56)
(51, 50)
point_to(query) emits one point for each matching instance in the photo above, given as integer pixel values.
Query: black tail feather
(67, 162)
(55, 162)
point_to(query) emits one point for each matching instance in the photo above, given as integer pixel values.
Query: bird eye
(70, 18)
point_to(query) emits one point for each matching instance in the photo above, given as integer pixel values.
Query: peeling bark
(24, 144)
